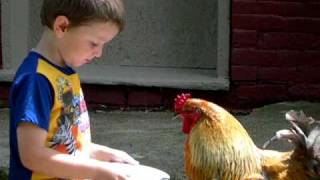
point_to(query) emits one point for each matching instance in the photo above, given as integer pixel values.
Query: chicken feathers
(218, 146)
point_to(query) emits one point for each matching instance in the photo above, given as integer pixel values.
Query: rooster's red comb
(180, 100)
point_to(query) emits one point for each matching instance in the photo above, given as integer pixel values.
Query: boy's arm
(105, 153)
(38, 158)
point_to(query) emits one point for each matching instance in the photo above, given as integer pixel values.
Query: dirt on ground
(155, 138)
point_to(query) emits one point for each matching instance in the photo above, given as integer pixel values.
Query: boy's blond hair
(80, 12)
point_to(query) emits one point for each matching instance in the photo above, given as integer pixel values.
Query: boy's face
(80, 45)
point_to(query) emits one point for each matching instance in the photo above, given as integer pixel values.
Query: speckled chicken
(219, 148)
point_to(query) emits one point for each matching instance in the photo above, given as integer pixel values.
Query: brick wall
(275, 56)
(275, 50)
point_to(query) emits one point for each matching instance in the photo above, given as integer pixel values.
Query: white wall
(180, 44)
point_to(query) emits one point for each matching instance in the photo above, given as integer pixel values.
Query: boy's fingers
(125, 158)
(130, 160)
(135, 162)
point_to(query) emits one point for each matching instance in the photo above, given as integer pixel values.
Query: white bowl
(143, 172)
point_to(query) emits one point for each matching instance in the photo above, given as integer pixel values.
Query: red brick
(297, 9)
(243, 73)
(302, 1)
(308, 74)
(245, 7)
(307, 25)
(283, 74)
(255, 57)
(243, 1)
(244, 38)
(4, 93)
(4, 90)
(292, 58)
(261, 93)
(305, 91)
(281, 8)
(303, 41)
(311, 57)
(144, 98)
(107, 95)
(312, 9)
(259, 22)
(272, 40)
(294, 41)
(244, 56)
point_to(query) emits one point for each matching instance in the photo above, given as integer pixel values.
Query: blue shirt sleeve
(31, 100)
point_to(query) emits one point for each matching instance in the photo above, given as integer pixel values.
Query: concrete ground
(155, 139)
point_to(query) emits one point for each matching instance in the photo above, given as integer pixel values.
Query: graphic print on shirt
(65, 138)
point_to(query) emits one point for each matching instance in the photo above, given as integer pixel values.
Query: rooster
(219, 148)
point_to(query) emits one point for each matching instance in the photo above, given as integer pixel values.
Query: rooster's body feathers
(237, 160)
(219, 148)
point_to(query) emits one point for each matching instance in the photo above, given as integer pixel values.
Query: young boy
(49, 123)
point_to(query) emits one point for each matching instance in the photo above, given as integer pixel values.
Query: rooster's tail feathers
(303, 133)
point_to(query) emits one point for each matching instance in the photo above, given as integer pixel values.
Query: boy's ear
(60, 25)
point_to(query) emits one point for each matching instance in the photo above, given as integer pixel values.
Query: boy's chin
(76, 65)
(85, 63)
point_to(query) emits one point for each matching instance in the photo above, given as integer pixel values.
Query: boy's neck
(47, 47)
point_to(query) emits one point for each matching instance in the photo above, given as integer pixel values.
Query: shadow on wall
(3, 173)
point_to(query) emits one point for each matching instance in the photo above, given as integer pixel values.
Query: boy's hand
(121, 156)
(111, 155)
(39, 158)
(110, 172)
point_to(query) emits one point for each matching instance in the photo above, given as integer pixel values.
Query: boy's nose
(98, 52)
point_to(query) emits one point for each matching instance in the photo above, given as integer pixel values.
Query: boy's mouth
(88, 61)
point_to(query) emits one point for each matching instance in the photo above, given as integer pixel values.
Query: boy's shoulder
(29, 64)
(35, 61)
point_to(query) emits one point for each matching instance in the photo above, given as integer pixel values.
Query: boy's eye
(92, 44)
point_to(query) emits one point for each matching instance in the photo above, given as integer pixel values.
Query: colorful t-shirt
(51, 98)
